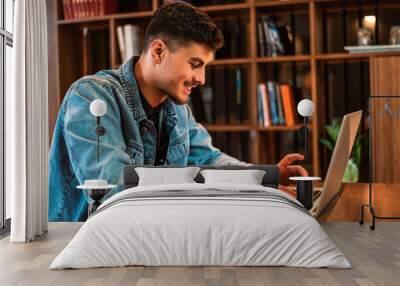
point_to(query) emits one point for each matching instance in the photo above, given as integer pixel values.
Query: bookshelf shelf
(353, 5)
(225, 7)
(347, 56)
(279, 3)
(279, 59)
(279, 128)
(224, 128)
(132, 15)
(227, 62)
(316, 66)
(83, 21)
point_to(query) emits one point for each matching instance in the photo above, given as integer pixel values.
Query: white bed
(223, 225)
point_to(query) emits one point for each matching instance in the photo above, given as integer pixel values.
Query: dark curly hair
(180, 23)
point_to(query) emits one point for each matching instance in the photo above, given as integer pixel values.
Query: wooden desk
(347, 204)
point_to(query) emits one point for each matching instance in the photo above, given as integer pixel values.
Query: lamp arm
(305, 138)
(98, 137)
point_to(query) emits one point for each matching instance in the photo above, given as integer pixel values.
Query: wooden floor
(374, 255)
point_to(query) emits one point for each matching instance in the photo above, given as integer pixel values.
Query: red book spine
(91, 8)
(71, 10)
(86, 4)
(77, 9)
(288, 104)
(67, 13)
(96, 8)
(74, 8)
(81, 9)
(101, 4)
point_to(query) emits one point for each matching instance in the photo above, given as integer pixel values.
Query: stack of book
(275, 104)
(222, 99)
(81, 9)
(273, 39)
(130, 41)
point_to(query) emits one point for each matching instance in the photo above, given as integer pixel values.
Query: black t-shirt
(153, 114)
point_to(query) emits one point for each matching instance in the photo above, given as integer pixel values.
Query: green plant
(352, 168)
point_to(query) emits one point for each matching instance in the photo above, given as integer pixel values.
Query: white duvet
(206, 230)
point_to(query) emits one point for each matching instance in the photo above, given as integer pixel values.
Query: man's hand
(286, 170)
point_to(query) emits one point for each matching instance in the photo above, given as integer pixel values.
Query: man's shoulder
(104, 85)
(108, 79)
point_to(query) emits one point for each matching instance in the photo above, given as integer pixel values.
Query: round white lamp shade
(98, 107)
(305, 107)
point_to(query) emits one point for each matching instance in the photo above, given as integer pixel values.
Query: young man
(147, 121)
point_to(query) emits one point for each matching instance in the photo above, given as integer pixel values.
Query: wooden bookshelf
(316, 52)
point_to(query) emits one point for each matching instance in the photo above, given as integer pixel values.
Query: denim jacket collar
(128, 80)
(170, 112)
(130, 85)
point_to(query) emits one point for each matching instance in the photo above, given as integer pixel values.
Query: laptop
(338, 163)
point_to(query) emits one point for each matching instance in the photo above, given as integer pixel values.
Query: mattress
(201, 225)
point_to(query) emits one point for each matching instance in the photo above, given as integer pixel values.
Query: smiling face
(181, 69)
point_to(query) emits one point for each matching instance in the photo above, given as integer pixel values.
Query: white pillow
(248, 177)
(165, 176)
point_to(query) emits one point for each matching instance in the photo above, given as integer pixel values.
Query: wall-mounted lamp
(305, 108)
(97, 188)
(98, 108)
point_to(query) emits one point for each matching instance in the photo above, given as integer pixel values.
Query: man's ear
(157, 51)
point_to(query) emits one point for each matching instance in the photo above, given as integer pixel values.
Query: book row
(276, 104)
(81, 9)
(273, 39)
(84, 9)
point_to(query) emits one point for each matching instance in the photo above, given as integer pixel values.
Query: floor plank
(375, 257)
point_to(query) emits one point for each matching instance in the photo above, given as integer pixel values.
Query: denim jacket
(130, 138)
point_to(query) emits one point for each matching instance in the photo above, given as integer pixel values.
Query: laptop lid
(338, 163)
